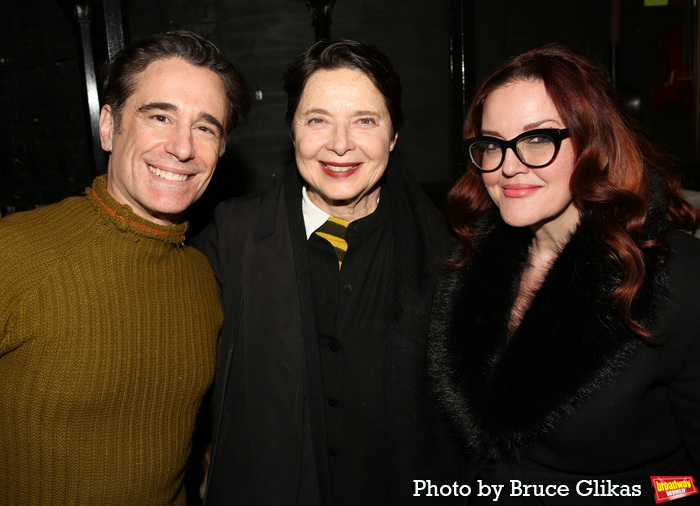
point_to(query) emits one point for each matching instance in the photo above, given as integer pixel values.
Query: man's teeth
(335, 168)
(170, 176)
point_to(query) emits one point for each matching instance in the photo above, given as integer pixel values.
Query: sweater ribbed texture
(108, 339)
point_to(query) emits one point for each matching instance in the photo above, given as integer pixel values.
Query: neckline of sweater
(125, 220)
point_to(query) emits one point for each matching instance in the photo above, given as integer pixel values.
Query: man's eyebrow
(161, 106)
(167, 106)
(213, 121)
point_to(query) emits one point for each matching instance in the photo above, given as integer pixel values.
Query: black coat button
(347, 288)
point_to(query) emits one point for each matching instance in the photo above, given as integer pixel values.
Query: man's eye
(315, 121)
(161, 118)
(367, 121)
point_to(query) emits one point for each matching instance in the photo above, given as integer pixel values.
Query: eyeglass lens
(534, 151)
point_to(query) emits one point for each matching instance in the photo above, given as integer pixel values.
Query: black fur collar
(502, 395)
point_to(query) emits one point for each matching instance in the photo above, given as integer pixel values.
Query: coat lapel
(308, 344)
(273, 356)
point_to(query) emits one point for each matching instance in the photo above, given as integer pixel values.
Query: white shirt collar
(313, 216)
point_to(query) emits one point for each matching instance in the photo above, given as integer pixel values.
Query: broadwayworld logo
(667, 488)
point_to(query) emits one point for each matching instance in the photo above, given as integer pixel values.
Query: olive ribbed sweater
(108, 339)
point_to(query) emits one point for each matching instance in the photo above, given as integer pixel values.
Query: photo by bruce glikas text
(516, 488)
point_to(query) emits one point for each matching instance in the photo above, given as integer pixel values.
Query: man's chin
(167, 215)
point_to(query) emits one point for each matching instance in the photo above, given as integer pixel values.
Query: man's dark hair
(120, 74)
(339, 54)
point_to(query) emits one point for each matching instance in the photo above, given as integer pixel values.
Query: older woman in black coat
(326, 284)
(565, 344)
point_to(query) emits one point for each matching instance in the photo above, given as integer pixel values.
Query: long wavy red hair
(610, 182)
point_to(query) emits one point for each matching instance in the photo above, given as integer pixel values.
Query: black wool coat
(269, 360)
(574, 394)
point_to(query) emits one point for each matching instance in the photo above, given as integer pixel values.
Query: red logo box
(668, 488)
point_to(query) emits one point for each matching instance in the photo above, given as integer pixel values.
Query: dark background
(45, 140)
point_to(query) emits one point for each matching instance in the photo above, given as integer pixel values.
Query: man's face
(170, 137)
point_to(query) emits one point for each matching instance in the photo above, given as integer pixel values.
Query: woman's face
(537, 198)
(342, 138)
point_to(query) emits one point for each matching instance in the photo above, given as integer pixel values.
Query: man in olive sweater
(108, 322)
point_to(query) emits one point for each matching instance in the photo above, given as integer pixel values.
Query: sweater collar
(125, 220)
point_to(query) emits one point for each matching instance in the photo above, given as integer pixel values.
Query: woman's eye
(366, 121)
(538, 140)
(315, 121)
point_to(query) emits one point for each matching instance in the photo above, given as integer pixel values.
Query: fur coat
(573, 392)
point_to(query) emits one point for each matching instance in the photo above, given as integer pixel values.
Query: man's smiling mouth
(170, 176)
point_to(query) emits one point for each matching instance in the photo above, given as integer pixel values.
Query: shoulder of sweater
(32, 243)
(45, 232)
(198, 260)
(50, 216)
(34, 240)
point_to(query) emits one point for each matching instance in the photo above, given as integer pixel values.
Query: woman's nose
(341, 140)
(512, 164)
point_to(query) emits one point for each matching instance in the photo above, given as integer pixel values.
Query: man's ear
(106, 127)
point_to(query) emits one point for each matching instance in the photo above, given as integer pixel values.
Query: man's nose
(181, 143)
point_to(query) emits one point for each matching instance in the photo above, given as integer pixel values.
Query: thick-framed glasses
(534, 148)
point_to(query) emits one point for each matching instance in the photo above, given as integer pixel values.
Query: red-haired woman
(565, 346)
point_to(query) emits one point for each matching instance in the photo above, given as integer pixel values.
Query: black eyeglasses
(535, 148)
